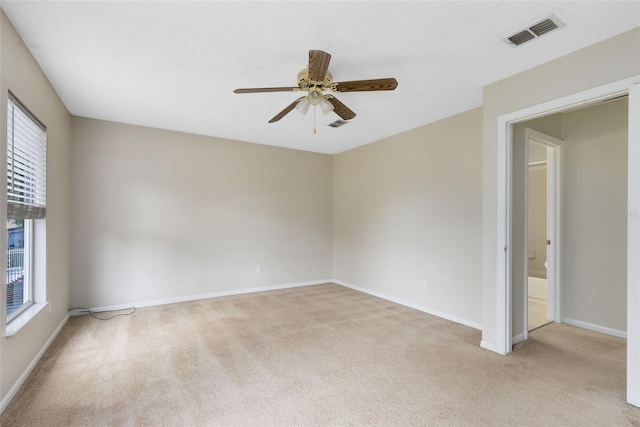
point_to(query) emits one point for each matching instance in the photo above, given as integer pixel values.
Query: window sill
(24, 318)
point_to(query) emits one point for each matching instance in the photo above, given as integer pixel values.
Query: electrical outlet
(258, 269)
(424, 284)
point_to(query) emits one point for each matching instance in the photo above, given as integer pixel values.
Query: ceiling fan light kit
(326, 106)
(303, 105)
(315, 79)
(309, 100)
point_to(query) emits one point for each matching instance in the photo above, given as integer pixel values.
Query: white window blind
(26, 163)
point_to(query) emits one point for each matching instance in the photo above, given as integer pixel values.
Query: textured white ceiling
(174, 65)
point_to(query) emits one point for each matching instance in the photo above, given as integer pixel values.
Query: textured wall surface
(594, 251)
(407, 209)
(160, 214)
(22, 76)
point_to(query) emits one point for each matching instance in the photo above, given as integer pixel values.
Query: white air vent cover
(534, 31)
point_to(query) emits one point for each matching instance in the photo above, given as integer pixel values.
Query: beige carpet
(320, 355)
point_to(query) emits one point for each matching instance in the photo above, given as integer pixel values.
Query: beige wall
(611, 60)
(408, 208)
(21, 75)
(594, 232)
(159, 214)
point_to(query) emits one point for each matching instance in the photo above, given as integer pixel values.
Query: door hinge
(548, 242)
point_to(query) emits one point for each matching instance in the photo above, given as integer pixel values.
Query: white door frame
(555, 152)
(504, 216)
(633, 250)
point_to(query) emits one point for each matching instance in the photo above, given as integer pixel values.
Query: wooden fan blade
(286, 111)
(340, 109)
(318, 65)
(367, 85)
(266, 89)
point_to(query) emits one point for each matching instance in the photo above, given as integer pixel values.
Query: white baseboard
(447, 316)
(596, 328)
(518, 338)
(491, 347)
(14, 389)
(163, 301)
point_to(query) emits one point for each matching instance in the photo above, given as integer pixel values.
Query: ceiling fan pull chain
(314, 119)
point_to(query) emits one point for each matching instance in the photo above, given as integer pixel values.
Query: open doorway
(591, 246)
(539, 309)
(535, 263)
(507, 243)
(542, 211)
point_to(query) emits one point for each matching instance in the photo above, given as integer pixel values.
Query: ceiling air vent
(337, 123)
(521, 37)
(534, 31)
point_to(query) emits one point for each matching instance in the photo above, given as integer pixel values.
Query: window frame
(37, 202)
(27, 284)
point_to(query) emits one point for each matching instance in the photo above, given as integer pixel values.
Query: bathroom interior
(537, 236)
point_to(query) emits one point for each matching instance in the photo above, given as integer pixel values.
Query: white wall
(594, 233)
(408, 208)
(608, 61)
(21, 75)
(159, 214)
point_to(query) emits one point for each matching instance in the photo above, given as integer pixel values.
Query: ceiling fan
(314, 80)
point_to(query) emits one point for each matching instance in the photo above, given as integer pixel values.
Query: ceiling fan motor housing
(305, 83)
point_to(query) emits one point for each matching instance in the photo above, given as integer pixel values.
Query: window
(26, 201)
